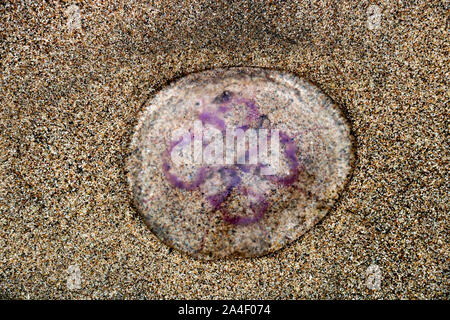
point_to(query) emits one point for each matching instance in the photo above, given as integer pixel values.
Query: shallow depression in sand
(238, 162)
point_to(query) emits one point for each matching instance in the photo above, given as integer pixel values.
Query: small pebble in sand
(238, 162)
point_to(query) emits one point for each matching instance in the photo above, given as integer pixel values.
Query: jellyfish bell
(288, 160)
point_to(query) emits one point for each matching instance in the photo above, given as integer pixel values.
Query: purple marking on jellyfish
(180, 142)
(223, 109)
(253, 114)
(217, 199)
(290, 152)
(200, 176)
(231, 174)
(259, 210)
(199, 179)
(211, 118)
(244, 167)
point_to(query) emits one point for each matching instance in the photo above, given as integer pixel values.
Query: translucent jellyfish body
(238, 162)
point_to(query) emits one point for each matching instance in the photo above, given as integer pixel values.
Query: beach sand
(73, 80)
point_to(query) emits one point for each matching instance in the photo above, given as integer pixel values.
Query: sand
(73, 81)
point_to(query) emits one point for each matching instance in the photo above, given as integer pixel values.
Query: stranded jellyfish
(238, 162)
